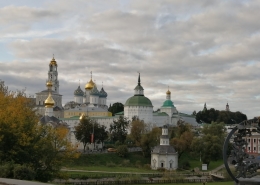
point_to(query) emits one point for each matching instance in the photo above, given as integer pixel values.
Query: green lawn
(112, 169)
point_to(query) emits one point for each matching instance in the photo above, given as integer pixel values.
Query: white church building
(164, 155)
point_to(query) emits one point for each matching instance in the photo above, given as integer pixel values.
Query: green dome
(168, 103)
(138, 101)
(78, 92)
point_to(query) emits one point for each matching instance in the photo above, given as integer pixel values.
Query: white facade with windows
(164, 155)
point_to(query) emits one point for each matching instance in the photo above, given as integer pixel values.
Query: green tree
(122, 150)
(183, 138)
(116, 107)
(209, 145)
(85, 129)
(213, 115)
(118, 130)
(138, 128)
(101, 134)
(150, 140)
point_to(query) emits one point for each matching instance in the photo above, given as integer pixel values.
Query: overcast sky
(205, 51)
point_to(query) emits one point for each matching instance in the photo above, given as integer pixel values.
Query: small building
(164, 155)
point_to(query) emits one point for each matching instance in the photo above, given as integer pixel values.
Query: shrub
(111, 164)
(118, 143)
(185, 165)
(6, 170)
(147, 166)
(125, 162)
(24, 173)
(122, 150)
(138, 164)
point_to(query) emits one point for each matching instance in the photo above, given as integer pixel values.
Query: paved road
(20, 182)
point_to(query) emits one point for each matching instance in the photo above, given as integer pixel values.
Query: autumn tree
(209, 145)
(118, 129)
(51, 149)
(24, 142)
(138, 128)
(183, 138)
(150, 140)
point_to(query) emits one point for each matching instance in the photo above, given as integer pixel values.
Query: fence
(90, 175)
(122, 182)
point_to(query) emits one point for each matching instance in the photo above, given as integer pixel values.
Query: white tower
(53, 75)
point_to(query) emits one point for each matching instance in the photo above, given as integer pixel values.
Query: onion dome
(53, 62)
(168, 103)
(49, 84)
(94, 91)
(89, 85)
(49, 102)
(78, 92)
(102, 93)
(82, 116)
(168, 92)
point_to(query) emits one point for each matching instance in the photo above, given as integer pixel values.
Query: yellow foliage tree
(24, 141)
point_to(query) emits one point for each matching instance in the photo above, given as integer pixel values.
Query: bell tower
(53, 75)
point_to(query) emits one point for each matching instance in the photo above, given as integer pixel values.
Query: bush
(111, 164)
(6, 170)
(185, 165)
(24, 173)
(147, 166)
(122, 150)
(125, 162)
(118, 143)
(44, 176)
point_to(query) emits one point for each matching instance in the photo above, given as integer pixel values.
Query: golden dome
(49, 102)
(89, 85)
(53, 62)
(82, 116)
(168, 92)
(49, 84)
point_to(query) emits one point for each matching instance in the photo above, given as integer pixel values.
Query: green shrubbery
(122, 150)
(16, 171)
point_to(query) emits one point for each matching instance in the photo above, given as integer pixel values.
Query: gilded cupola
(53, 62)
(49, 102)
(90, 84)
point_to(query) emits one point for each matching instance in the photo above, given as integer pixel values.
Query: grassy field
(134, 162)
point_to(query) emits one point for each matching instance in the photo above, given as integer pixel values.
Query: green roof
(139, 87)
(160, 114)
(138, 101)
(120, 113)
(168, 103)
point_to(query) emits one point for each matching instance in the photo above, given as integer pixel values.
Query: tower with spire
(54, 89)
(53, 75)
(139, 105)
